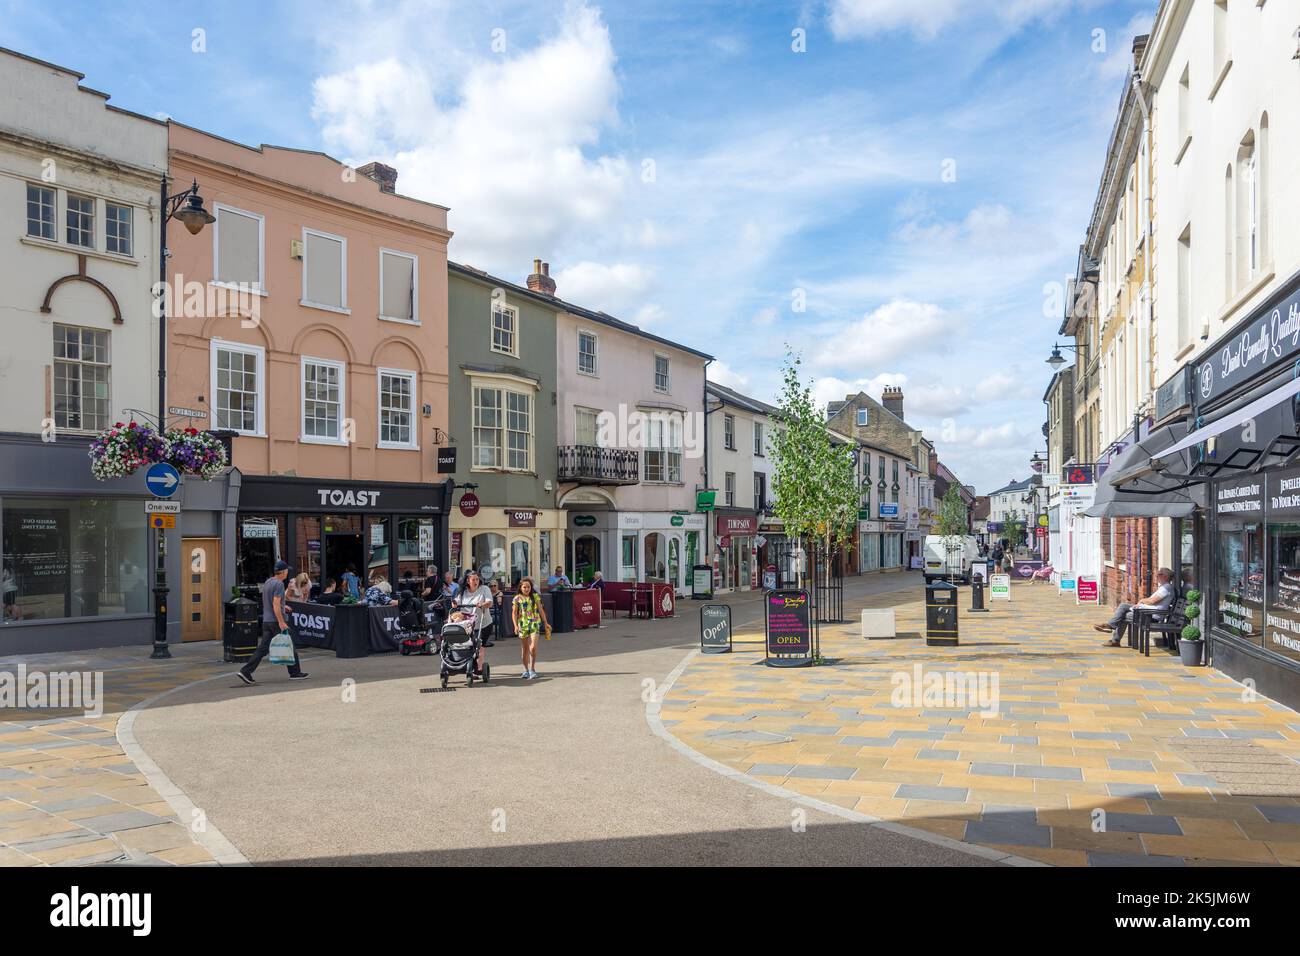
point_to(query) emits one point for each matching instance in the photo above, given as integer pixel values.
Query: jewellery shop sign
(1265, 341)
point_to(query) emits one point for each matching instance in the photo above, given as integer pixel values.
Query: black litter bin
(941, 614)
(241, 629)
(561, 611)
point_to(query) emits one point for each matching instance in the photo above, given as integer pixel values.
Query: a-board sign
(1067, 585)
(715, 629)
(702, 582)
(1000, 587)
(788, 629)
(1087, 592)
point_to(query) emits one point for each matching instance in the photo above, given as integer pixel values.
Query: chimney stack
(540, 280)
(892, 399)
(386, 176)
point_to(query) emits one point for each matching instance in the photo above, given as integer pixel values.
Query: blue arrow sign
(162, 479)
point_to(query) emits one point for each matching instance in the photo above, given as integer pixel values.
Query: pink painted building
(309, 323)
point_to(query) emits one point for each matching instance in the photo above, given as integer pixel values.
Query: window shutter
(239, 252)
(324, 265)
(399, 287)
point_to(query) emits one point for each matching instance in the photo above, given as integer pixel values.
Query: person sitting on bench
(1161, 599)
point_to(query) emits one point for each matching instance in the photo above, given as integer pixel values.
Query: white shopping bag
(281, 649)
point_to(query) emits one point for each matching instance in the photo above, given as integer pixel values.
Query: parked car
(950, 558)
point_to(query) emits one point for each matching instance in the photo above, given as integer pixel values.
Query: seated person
(1161, 599)
(380, 592)
(331, 594)
(597, 581)
(558, 579)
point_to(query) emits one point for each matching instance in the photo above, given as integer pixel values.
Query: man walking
(273, 623)
(1161, 599)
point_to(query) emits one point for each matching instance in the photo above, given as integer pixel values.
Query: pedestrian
(529, 616)
(431, 584)
(273, 623)
(352, 583)
(1161, 599)
(475, 599)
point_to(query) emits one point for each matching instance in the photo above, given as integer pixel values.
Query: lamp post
(187, 206)
(1056, 359)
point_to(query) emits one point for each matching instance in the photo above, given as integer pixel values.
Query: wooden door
(200, 595)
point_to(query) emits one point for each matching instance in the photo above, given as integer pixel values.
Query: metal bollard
(977, 593)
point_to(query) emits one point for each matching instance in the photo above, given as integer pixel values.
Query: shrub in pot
(1190, 645)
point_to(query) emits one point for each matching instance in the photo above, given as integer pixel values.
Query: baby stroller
(415, 633)
(461, 640)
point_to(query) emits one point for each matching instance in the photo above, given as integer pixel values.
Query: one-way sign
(162, 480)
(162, 507)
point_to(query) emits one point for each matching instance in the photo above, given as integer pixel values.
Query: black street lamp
(1056, 359)
(187, 206)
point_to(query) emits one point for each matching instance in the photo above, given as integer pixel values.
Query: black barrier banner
(715, 629)
(311, 624)
(385, 627)
(788, 621)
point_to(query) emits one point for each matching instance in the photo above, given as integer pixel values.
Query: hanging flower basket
(121, 450)
(196, 453)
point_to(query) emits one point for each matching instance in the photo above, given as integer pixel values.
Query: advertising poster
(788, 629)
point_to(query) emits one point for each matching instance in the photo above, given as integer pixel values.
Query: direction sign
(162, 480)
(163, 508)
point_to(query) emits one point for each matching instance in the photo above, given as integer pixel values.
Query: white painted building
(740, 469)
(79, 198)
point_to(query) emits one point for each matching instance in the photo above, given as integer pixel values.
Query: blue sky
(919, 177)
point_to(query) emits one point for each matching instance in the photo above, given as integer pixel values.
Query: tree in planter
(814, 487)
(951, 523)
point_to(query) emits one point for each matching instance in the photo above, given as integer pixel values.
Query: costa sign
(469, 504)
(522, 518)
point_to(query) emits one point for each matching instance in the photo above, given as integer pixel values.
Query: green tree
(951, 522)
(815, 488)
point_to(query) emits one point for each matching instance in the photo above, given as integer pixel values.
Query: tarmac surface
(564, 769)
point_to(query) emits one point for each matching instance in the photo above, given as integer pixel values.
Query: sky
(896, 190)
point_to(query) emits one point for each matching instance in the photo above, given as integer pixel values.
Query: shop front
(660, 547)
(76, 568)
(869, 546)
(508, 544)
(778, 565)
(324, 527)
(737, 565)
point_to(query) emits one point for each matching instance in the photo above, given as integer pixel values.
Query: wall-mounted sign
(186, 412)
(677, 521)
(993, 527)
(272, 493)
(889, 509)
(249, 530)
(162, 507)
(1077, 475)
(715, 629)
(1268, 338)
(162, 521)
(469, 504)
(704, 500)
(446, 461)
(737, 524)
(788, 629)
(584, 521)
(426, 542)
(520, 517)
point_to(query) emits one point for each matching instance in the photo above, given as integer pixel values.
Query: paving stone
(916, 791)
(1142, 823)
(868, 741)
(936, 755)
(829, 731)
(1196, 779)
(1124, 763)
(1015, 739)
(1096, 858)
(1101, 735)
(754, 736)
(112, 822)
(1278, 813)
(822, 772)
(771, 769)
(1049, 773)
(1140, 790)
(1253, 735)
(918, 735)
(1202, 732)
(7, 773)
(1008, 832)
(993, 769)
(727, 718)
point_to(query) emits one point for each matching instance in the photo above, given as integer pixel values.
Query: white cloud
(614, 287)
(898, 328)
(504, 141)
(724, 374)
(1001, 386)
(764, 318)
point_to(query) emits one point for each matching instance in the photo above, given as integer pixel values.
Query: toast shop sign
(1270, 338)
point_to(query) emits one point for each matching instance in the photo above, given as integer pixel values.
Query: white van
(942, 564)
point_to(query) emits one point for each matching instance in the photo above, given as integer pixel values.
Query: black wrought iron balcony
(593, 465)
